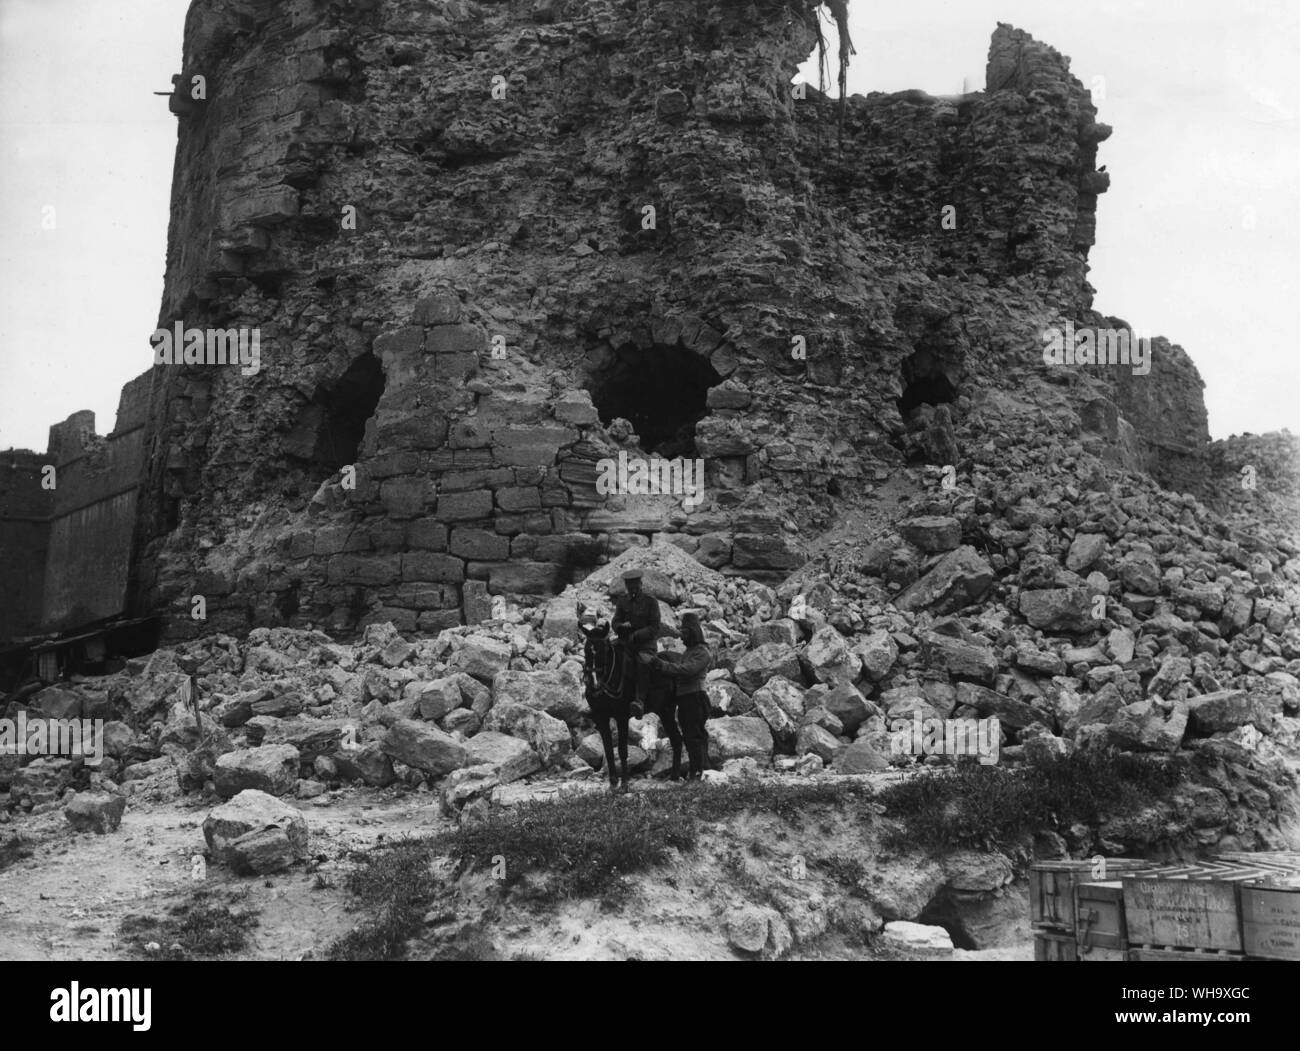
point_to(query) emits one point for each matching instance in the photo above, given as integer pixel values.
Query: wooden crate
(1054, 947)
(1270, 920)
(1285, 861)
(1052, 883)
(1103, 955)
(1059, 947)
(1156, 953)
(1196, 907)
(1099, 912)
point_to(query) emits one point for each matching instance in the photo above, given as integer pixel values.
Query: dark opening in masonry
(329, 431)
(662, 392)
(924, 383)
(926, 390)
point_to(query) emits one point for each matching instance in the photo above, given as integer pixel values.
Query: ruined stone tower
(473, 235)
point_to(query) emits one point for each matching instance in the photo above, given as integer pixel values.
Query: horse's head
(589, 623)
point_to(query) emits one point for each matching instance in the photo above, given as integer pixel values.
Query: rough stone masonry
(488, 244)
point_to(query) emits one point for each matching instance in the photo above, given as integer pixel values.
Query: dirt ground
(66, 901)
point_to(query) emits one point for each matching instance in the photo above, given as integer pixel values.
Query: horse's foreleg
(622, 745)
(607, 739)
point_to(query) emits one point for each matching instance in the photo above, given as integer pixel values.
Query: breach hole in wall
(329, 431)
(924, 383)
(661, 391)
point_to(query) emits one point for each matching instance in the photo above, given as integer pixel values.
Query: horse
(610, 688)
(607, 681)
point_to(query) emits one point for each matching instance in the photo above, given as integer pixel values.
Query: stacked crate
(1053, 909)
(1235, 906)
(1188, 912)
(1270, 918)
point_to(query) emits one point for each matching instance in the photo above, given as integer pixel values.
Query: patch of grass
(528, 956)
(576, 846)
(201, 928)
(848, 872)
(475, 946)
(990, 807)
(395, 885)
(12, 851)
(584, 844)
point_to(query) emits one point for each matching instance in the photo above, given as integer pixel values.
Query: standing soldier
(692, 702)
(636, 623)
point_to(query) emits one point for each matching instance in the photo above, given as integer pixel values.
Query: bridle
(601, 680)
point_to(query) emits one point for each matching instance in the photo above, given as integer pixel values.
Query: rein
(600, 680)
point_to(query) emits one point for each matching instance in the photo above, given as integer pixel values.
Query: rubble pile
(1078, 603)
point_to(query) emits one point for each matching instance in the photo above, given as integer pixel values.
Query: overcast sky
(1198, 239)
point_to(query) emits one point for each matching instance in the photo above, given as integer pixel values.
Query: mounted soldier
(637, 624)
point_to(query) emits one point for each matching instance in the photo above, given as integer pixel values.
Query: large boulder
(726, 698)
(466, 784)
(780, 703)
(181, 733)
(1144, 727)
(830, 659)
(1140, 573)
(819, 741)
(56, 702)
(739, 737)
(256, 833)
(97, 812)
(1059, 609)
(917, 939)
(1099, 708)
(507, 757)
(312, 737)
(849, 706)
(272, 769)
(368, 764)
(1225, 710)
(481, 657)
(877, 652)
(960, 659)
(861, 757)
(437, 698)
(157, 686)
(931, 533)
(424, 747)
(119, 739)
(561, 619)
(549, 737)
(1172, 671)
(1010, 712)
(1084, 551)
(783, 630)
(756, 667)
(754, 929)
(1121, 644)
(552, 692)
(958, 579)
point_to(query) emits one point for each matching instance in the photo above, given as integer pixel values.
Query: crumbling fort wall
(24, 540)
(473, 237)
(67, 532)
(92, 520)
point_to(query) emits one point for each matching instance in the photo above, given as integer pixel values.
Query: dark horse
(610, 688)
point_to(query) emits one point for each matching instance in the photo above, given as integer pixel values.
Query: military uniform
(691, 702)
(637, 623)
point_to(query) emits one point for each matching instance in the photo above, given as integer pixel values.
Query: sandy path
(65, 902)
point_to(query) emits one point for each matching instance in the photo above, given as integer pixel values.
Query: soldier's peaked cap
(632, 574)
